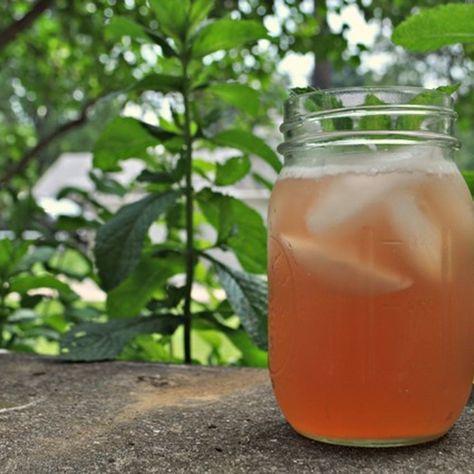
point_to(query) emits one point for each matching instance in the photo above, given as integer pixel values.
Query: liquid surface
(371, 298)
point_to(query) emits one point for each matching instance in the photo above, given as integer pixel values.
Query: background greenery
(170, 83)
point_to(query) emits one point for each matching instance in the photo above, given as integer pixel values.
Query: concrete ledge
(123, 417)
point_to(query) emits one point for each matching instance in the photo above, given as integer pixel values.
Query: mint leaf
(319, 100)
(232, 170)
(296, 91)
(374, 122)
(238, 95)
(119, 242)
(129, 298)
(199, 11)
(436, 27)
(449, 88)
(24, 283)
(172, 16)
(247, 295)
(158, 83)
(226, 34)
(239, 227)
(120, 26)
(428, 97)
(34, 255)
(121, 139)
(11, 253)
(248, 143)
(89, 342)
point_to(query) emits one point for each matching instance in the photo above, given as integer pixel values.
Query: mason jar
(371, 265)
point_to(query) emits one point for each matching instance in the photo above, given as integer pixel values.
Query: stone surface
(122, 417)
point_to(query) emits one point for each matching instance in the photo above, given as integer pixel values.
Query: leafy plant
(151, 284)
(37, 303)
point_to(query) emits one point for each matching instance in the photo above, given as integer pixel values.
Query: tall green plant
(206, 114)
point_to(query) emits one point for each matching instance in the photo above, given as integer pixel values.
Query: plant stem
(189, 211)
(3, 310)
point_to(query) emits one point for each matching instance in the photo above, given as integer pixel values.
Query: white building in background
(72, 169)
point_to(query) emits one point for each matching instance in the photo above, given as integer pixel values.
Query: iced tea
(372, 297)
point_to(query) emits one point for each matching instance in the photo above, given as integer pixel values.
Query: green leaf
(119, 242)
(23, 315)
(164, 136)
(248, 143)
(84, 314)
(105, 341)
(34, 255)
(226, 34)
(469, 178)
(24, 283)
(319, 100)
(11, 253)
(120, 26)
(232, 170)
(147, 176)
(427, 97)
(252, 356)
(375, 122)
(247, 294)
(71, 263)
(123, 138)
(436, 27)
(6, 250)
(200, 9)
(106, 185)
(172, 16)
(263, 181)
(74, 223)
(449, 88)
(164, 176)
(159, 83)
(239, 227)
(25, 214)
(129, 298)
(296, 91)
(238, 95)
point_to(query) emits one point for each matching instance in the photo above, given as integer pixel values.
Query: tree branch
(20, 165)
(8, 34)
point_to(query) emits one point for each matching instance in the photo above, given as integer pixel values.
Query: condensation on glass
(371, 259)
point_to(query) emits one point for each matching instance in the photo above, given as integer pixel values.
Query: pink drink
(372, 298)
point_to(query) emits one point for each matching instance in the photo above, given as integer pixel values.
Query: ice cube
(346, 196)
(423, 238)
(343, 270)
(367, 181)
(350, 195)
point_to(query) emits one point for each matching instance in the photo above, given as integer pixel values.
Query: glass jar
(371, 259)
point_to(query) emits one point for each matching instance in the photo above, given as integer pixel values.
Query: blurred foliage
(69, 78)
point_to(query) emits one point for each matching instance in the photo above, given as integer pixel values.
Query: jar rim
(382, 113)
(439, 98)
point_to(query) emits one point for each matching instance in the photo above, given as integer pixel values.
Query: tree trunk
(322, 71)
